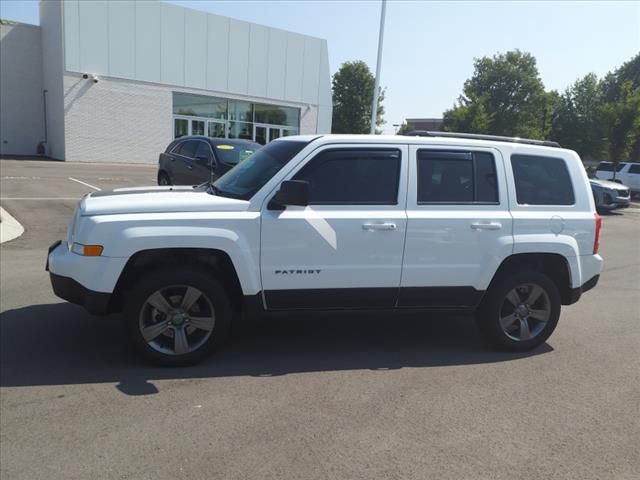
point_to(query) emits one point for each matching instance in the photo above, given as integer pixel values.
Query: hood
(606, 183)
(157, 200)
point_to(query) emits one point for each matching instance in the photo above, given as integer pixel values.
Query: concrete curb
(10, 228)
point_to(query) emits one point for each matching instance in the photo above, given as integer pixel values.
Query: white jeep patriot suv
(503, 227)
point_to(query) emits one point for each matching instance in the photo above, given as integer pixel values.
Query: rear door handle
(378, 226)
(486, 225)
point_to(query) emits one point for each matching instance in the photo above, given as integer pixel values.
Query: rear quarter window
(541, 180)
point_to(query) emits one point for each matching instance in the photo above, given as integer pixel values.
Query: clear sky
(429, 46)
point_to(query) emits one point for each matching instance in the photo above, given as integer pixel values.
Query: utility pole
(374, 102)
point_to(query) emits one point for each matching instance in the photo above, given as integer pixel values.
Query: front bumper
(71, 291)
(611, 200)
(85, 281)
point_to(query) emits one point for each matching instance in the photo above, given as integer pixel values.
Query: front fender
(235, 233)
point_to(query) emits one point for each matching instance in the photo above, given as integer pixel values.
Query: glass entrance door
(261, 134)
(274, 133)
(197, 127)
(184, 125)
(264, 134)
(217, 129)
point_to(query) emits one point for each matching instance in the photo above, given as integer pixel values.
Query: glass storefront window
(240, 111)
(199, 106)
(226, 118)
(241, 130)
(275, 115)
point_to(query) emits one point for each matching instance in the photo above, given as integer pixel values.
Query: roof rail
(477, 136)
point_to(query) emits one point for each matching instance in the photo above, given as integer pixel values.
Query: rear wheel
(178, 316)
(164, 179)
(520, 311)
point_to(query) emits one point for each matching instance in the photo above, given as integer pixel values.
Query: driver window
(203, 152)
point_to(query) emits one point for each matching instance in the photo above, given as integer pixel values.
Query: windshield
(232, 154)
(250, 175)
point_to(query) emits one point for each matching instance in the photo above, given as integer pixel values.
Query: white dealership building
(102, 81)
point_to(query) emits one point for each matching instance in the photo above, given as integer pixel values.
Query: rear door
(632, 178)
(459, 227)
(344, 250)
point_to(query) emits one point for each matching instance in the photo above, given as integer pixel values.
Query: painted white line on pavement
(84, 183)
(39, 198)
(10, 228)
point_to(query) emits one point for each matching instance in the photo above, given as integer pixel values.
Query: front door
(344, 250)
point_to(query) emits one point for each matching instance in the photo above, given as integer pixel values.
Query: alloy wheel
(176, 320)
(525, 312)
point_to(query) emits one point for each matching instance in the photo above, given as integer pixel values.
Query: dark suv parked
(191, 160)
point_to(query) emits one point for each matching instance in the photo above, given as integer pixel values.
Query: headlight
(87, 250)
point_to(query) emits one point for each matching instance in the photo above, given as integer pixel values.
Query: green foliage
(505, 96)
(600, 119)
(404, 128)
(578, 121)
(353, 88)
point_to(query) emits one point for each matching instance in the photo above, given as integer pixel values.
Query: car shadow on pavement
(59, 344)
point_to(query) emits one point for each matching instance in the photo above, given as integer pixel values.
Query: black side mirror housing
(292, 192)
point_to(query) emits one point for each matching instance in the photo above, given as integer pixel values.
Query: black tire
(496, 305)
(139, 313)
(164, 178)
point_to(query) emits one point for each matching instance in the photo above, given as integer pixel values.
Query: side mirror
(292, 192)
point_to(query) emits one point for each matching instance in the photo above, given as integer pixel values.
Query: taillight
(596, 240)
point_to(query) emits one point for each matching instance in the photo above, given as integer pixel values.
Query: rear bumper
(71, 291)
(576, 293)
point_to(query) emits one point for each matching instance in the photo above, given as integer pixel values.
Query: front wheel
(520, 311)
(177, 316)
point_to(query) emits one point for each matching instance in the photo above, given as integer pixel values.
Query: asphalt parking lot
(322, 396)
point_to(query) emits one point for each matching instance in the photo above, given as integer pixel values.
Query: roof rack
(476, 136)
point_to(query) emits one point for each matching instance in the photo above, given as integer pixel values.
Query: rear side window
(542, 180)
(456, 177)
(608, 167)
(635, 168)
(353, 177)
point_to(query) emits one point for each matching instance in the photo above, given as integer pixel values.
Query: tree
(353, 88)
(621, 111)
(505, 96)
(578, 122)
(621, 119)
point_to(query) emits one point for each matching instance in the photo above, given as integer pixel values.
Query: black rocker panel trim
(371, 298)
(331, 298)
(448, 297)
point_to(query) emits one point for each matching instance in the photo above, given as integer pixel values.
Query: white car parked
(627, 173)
(503, 227)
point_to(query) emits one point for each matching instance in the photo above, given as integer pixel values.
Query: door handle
(486, 225)
(190, 167)
(378, 226)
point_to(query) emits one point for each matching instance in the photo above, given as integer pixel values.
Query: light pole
(374, 102)
(395, 128)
